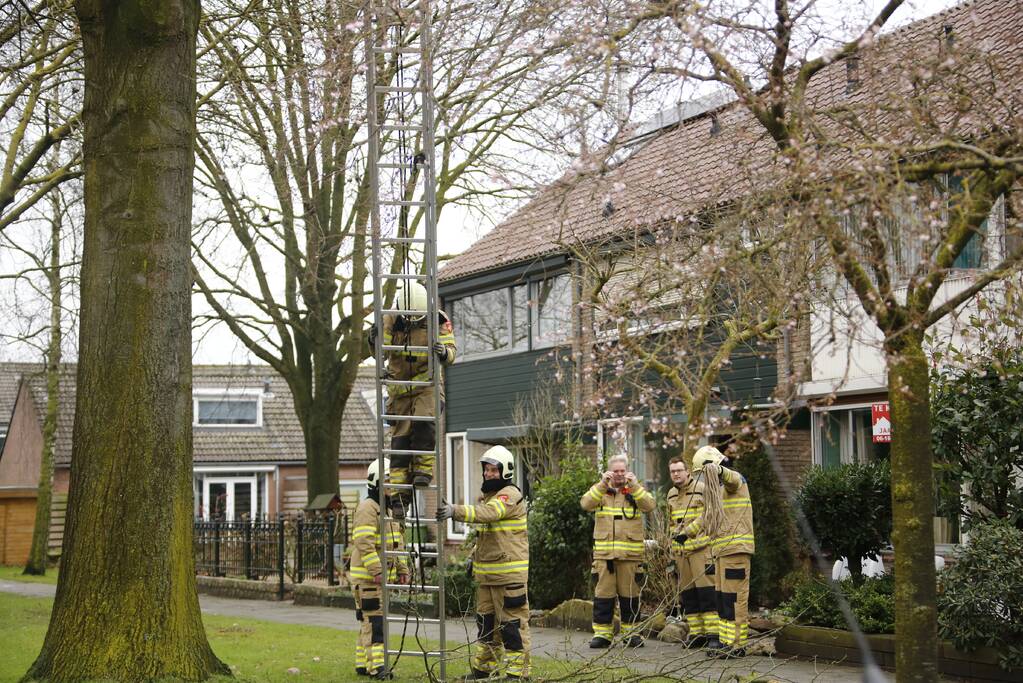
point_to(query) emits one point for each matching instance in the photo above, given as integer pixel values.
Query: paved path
(557, 644)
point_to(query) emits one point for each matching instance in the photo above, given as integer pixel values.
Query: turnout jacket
(736, 534)
(685, 506)
(618, 532)
(366, 561)
(501, 555)
(415, 365)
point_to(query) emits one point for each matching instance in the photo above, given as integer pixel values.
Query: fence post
(280, 555)
(299, 566)
(247, 552)
(216, 547)
(331, 581)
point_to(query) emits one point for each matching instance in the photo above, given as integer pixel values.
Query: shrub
(459, 588)
(772, 527)
(872, 602)
(560, 535)
(980, 599)
(849, 509)
(977, 432)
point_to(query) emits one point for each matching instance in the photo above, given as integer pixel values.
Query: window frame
(449, 471)
(227, 395)
(532, 317)
(634, 440)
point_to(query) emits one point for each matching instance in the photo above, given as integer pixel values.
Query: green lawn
(15, 574)
(255, 650)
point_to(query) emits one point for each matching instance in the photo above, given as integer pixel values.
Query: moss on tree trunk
(916, 655)
(126, 607)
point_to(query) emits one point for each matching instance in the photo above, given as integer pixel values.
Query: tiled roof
(685, 169)
(278, 440)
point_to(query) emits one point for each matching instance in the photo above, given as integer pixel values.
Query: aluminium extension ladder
(403, 181)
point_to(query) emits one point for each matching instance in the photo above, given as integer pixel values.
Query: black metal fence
(295, 548)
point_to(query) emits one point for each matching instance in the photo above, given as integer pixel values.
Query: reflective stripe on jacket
(736, 533)
(501, 555)
(618, 532)
(414, 365)
(684, 507)
(366, 561)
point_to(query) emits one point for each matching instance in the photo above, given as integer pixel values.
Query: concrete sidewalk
(565, 646)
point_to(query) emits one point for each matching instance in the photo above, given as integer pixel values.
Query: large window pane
(481, 322)
(219, 411)
(520, 317)
(552, 310)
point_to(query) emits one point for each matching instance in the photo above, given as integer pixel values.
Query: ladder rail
(420, 46)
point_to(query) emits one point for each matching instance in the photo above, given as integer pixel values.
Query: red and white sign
(880, 422)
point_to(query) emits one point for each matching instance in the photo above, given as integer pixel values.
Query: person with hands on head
(619, 501)
(365, 574)
(500, 567)
(727, 520)
(692, 555)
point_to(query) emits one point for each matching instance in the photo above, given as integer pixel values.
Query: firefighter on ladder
(727, 519)
(501, 568)
(619, 501)
(366, 573)
(692, 555)
(413, 330)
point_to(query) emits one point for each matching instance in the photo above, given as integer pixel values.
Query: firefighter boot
(421, 479)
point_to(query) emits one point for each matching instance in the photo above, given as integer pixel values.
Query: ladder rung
(404, 276)
(406, 383)
(419, 553)
(410, 418)
(430, 653)
(412, 587)
(395, 165)
(394, 88)
(412, 617)
(409, 487)
(401, 202)
(403, 240)
(398, 50)
(398, 311)
(407, 451)
(409, 349)
(409, 128)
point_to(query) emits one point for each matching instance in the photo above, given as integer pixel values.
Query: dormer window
(227, 408)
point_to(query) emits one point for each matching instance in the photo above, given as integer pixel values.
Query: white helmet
(705, 455)
(373, 471)
(411, 296)
(503, 458)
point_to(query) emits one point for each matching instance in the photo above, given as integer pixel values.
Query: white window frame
(229, 482)
(247, 394)
(450, 475)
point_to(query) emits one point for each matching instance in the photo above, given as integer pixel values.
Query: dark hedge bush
(980, 598)
(872, 602)
(561, 535)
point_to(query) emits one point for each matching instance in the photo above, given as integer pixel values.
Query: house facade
(248, 450)
(518, 295)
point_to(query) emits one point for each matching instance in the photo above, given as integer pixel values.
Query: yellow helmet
(706, 454)
(373, 472)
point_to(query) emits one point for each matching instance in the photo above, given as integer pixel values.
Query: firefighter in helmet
(366, 573)
(619, 501)
(727, 520)
(410, 329)
(501, 568)
(692, 555)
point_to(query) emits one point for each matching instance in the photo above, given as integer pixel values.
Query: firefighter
(412, 330)
(727, 519)
(619, 501)
(366, 573)
(692, 555)
(500, 564)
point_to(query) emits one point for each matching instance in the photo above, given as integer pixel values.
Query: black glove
(681, 539)
(441, 351)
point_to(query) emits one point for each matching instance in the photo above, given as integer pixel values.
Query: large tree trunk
(36, 564)
(916, 648)
(322, 431)
(126, 607)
